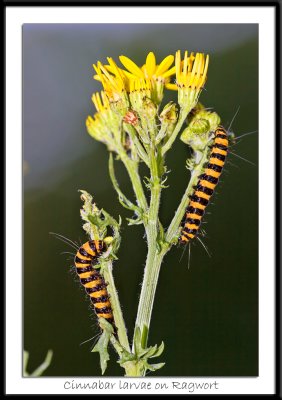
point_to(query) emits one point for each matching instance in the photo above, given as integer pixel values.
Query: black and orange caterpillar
(85, 259)
(205, 187)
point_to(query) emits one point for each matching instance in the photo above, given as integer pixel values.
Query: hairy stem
(182, 116)
(118, 318)
(132, 169)
(152, 267)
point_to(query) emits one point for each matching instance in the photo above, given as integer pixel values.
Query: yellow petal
(164, 65)
(178, 63)
(131, 66)
(150, 64)
(171, 86)
(97, 78)
(97, 102)
(185, 64)
(170, 72)
(128, 74)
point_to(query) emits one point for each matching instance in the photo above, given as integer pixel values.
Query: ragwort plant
(136, 129)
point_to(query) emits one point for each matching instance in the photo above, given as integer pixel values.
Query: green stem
(153, 262)
(118, 318)
(155, 258)
(140, 149)
(132, 169)
(149, 285)
(182, 116)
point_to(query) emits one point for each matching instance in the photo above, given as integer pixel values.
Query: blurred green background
(206, 315)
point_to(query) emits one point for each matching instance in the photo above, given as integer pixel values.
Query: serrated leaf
(95, 220)
(101, 347)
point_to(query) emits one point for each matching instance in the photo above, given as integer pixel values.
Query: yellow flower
(115, 83)
(150, 70)
(100, 102)
(158, 75)
(191, 72)
(99, 126)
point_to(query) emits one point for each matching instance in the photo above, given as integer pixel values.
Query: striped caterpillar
(85, 259)
(205, 187)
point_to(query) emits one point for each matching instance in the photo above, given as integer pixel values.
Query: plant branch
(152, 268)
(182, 116)
(140, 149)
(132, 169)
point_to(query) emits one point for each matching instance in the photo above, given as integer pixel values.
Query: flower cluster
(128, 106)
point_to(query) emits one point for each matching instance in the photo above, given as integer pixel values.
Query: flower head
(191, 75)
(192, 71)
(150, 70)
(158, 75)
(114, 82)
(99, 126)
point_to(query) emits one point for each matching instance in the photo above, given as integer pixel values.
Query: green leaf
(101, 347)
(137, 221)
(39, 370)
(149, 351)
(153, 367)
(159, 351)
(42, 367)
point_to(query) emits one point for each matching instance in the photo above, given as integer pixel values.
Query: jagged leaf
(101, 346)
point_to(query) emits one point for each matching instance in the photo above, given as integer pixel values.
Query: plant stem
(182, 116)
(118, 318)
(141, 151)
(153, 262)
(146, 302)
(155, 258)
(132, 169)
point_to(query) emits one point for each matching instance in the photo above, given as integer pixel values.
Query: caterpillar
(205, 187)
(95, 286)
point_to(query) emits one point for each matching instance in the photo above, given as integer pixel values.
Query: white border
(15, 17)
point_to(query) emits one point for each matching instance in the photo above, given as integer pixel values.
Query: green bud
(200, 123)
(196, 134)
(149, 109)
(120, 106)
